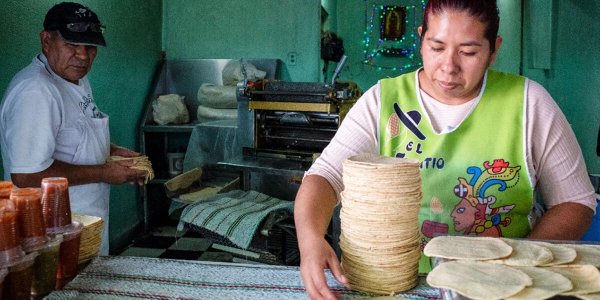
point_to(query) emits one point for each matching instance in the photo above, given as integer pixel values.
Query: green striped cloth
(235, 215)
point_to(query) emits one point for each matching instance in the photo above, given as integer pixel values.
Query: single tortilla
(594, 296)
(586, 254)
(546, 284)
(525, 253)
(562, 255)
(471, 248)
(585, 278)
(479, 280)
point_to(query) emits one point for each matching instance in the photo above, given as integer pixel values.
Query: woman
(502, 136)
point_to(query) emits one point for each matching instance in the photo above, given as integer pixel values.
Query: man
(51, 126)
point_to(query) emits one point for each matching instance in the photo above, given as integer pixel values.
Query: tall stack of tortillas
(379, 227)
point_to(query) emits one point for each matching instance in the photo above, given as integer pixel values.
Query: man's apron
(93, 199)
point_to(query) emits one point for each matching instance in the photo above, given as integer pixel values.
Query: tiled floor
(167, 242)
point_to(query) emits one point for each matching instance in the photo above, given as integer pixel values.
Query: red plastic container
(5, 189)
(29, 217)
(56, 205)
(68, 261)
(7, 204)
(10, 243)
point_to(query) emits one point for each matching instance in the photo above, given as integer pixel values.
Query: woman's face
(455, 57)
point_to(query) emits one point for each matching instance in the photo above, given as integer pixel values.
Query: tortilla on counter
(586, 254)
(471, 248)
(594, 296)
(562, 255)
(546, 284)
(585, 278)
(525, 253)
(479, 280)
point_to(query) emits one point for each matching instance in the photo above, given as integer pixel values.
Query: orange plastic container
(68, 259)
(56, 205)
(30, 218)
(10, 243)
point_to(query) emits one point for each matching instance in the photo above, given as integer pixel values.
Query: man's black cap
(76, 23)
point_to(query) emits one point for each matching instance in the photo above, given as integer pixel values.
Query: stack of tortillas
(498, 268)
(91, 236)
(139, 162)
(379, 228)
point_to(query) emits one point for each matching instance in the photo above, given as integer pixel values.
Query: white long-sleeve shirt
(554, 159)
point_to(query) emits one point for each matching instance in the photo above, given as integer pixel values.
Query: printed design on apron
(477, 211)
(489, 198)
(89, 108)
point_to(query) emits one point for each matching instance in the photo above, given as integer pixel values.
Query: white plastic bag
(232, 72)
(206, 114)
(217, 96)
(170, 109)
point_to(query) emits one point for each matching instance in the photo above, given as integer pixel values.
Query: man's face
(69, 61)
(455, 55)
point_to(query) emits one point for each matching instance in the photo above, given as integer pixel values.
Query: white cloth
(45, 118)
(554, 158)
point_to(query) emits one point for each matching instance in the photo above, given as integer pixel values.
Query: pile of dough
(139, 162)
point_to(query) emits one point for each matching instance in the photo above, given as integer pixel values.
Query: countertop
(110, 277)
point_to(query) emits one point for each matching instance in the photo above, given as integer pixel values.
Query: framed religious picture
(393, 20)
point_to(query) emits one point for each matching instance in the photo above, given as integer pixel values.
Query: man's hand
(120, 171)
(121, 151)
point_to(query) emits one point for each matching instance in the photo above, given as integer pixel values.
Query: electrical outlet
(292, 58)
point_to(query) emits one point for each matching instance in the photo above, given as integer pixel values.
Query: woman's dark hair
(485, 11)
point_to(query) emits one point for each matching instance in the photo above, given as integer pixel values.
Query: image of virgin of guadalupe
(392, 24)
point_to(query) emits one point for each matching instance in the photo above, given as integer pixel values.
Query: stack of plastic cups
(17, 265)
(56, 207)
(33, 236)
(29, 214)
(5, 188)
(10, 243)
(34, 239)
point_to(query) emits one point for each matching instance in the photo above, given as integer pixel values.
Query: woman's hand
(316, 256)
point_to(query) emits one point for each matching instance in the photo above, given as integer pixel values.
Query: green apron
(474, 178)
